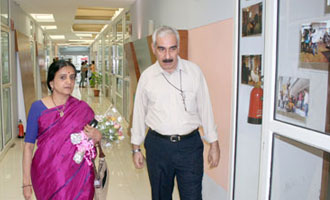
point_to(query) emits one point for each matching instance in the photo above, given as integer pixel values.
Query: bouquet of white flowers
(110, 127)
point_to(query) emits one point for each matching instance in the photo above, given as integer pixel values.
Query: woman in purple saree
(53, 172)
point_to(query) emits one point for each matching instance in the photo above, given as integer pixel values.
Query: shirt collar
(179, 67)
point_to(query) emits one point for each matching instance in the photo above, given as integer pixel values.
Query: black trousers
(167, 160)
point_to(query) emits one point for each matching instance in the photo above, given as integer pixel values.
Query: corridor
(126, 182)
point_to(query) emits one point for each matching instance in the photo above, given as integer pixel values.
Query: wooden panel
(26, 65)
(134, 75)
(183, 44)
(42, 69)
(325, 177)
(152, 56)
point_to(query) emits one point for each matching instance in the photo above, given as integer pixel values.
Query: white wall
(248, 136)
(21, 19)
(22, 22)
(182, 14)
(40, 35)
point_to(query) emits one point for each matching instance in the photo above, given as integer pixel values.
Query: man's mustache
(167, 60)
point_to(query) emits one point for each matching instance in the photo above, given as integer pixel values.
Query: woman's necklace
(61, 111)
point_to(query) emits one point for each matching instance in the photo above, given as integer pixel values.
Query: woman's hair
(165, 30)
(54, 67)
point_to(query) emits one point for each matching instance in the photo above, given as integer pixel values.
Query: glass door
(5, 73)
(118, 63)
(5, 110)
(7, 114)
(1, 135)
(294, 161)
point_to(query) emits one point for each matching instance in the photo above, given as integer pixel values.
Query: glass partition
(296, 170)
(7, 114)
(119, 87)
(119, 103)
(303, 55)
(128, 25)
(116, 74)
(99, 57)
(5, 12)
(126, 100)
(120, 67)
(119, 30)
(106, 58)
(5, 57)
(294, 160)
(1, 132)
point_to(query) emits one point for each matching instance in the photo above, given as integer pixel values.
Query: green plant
(96, 79)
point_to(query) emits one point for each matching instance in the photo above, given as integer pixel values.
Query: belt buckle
(175, 138)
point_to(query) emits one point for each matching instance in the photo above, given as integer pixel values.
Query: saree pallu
(54, 173)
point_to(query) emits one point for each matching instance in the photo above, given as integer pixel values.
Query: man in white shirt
(172, 99)
(315, 40)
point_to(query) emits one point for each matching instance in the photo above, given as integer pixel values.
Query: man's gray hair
(165, 30)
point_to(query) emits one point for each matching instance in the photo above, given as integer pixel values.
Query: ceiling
(75, 16)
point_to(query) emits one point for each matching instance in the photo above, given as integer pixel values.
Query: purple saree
(54, 173)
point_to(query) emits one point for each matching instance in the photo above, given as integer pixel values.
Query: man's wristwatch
(136, 150)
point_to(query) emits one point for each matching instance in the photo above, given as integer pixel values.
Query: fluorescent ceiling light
(70, 44)
(43, 17)
(52, 27)
(81, 40)
(84, 35)
(57, 37)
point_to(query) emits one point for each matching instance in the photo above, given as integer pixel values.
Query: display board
(303, 54)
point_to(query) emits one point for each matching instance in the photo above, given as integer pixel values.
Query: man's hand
(214, 154)
(138, 158)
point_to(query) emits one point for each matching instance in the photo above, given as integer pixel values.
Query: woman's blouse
(32, 122)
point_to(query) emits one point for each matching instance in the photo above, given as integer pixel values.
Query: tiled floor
(126, 182)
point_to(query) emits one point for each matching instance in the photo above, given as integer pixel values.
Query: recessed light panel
(49, 27)
(84, 35)
(43, 17)
(57, 37)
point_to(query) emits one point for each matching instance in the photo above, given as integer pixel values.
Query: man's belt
(174, 138)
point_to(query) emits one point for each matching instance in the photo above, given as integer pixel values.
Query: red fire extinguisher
(255, 110)
(20, 129)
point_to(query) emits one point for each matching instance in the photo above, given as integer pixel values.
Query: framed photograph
(251, 69)
(293, 99)
(315, 45)
(252, 20)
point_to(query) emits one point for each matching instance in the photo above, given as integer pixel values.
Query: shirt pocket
(190, 100)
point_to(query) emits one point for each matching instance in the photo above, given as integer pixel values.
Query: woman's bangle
(26, 186)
